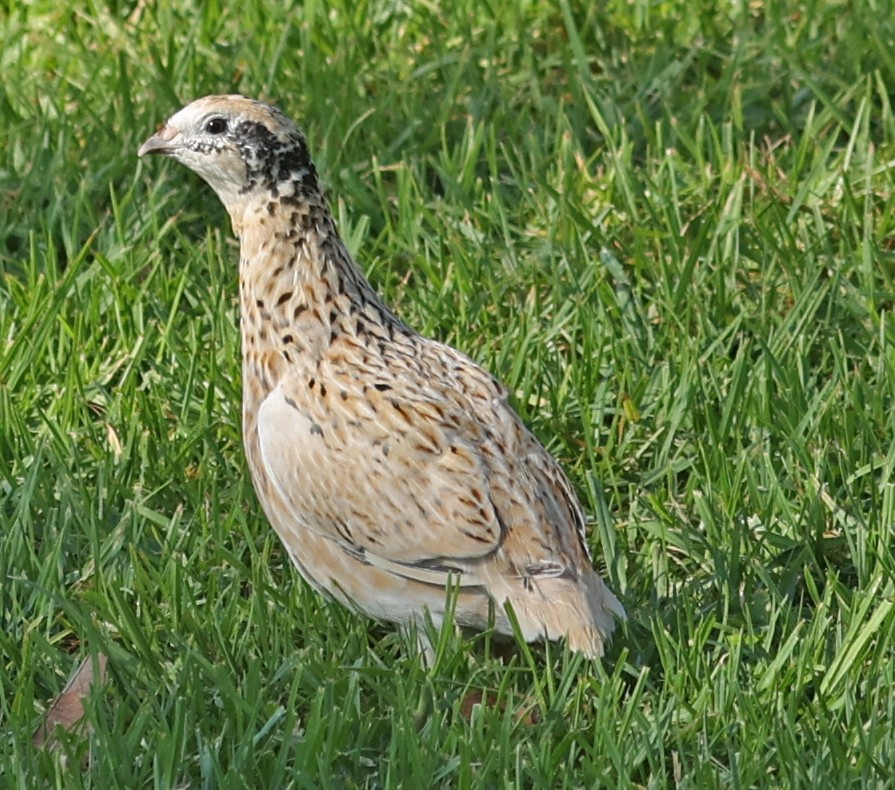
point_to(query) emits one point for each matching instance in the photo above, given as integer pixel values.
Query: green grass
(669, 227)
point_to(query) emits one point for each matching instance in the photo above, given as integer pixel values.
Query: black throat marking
(270, 161)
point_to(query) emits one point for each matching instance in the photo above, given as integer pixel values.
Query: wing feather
(408, 486)
(424, 481)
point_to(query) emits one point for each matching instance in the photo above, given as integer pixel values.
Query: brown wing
(404, 480)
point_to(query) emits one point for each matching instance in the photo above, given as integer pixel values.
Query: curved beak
(162, 142)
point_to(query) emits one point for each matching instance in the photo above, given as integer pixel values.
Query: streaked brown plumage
(389, 464)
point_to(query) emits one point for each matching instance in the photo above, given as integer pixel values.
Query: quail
(391, 466)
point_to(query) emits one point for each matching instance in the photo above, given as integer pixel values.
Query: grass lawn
(668, 227)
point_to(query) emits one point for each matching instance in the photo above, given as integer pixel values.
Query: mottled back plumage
(390, 465)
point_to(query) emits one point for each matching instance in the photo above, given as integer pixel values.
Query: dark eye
(216, 126)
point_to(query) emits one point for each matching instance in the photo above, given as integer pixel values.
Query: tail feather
(583, 611)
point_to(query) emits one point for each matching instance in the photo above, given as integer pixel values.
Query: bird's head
(244, 149)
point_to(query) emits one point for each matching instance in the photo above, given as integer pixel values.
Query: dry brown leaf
(67, 711)
(529, 713)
